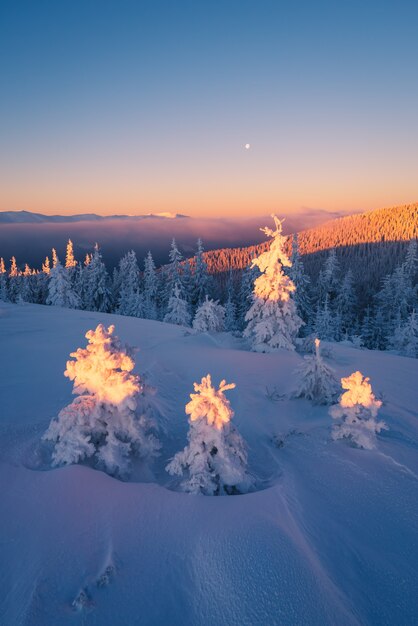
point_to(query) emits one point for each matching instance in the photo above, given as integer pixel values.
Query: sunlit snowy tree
(104, 422)
(70, 262)
(215, 460)
(356, 412)
(4, 295)
(316, 380)
(210, 317)
(273, 321)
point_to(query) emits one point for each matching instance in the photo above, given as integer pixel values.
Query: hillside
(363, 231)
(328, 537)
(370, 243)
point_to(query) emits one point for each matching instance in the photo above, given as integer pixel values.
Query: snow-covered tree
(328, 280)
(14, 281)
(4, 295)
(104, 422)
(405, 336)
(173, 271)
(150, 288)
(273, 321)
(130, 300)
(54, 258)
(178, 309)
(60, 290)
(346, 303)
(301, 281)
(96, 296)
(46, 266)
(316, 380)
(326, 325)
(210, 317)
(356, 412)
(200, 277)
(215, 460)
(248, 276)
(187, 281)
(70, 261)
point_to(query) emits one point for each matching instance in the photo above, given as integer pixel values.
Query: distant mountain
(27, 217)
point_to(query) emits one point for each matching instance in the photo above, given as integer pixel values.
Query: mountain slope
(27, 217)
(329, 537)
(359, 231)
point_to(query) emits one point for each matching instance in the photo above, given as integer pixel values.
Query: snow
(328, 537)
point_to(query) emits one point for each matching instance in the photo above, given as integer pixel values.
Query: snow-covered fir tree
(150, 288)
(326, 325)
(210, 317)
(346, 304)
(302, 283)
(96, 283)
(27, 287)
(60, 289)
(328, 279)
(231, 323)
(104, 423)
(54, 258)
(173, 270)
(14, 280)
(187, 281)
(4, 294)
(70, 262)
(46, 266)
(316, 380)
(129, 300)
(272, 321)
(215, 460)
(200, 277)
(178, 309)
(356, 412)
(248, 276)
(405, 336)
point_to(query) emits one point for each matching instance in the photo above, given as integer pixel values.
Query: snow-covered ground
(329, 537)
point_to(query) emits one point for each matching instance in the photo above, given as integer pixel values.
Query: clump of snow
(104, 422)
(317, 381)
(273, 321)
(357, 411)
(215, 460)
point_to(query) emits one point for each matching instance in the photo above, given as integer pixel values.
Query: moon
(247, 146)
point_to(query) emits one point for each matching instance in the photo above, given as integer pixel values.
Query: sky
(146, 106)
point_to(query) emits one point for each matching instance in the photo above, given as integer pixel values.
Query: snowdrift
(329, 537)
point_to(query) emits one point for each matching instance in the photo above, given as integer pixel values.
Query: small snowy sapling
(357, 412)
(317, 381)
(214, 461)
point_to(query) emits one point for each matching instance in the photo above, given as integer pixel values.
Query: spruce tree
(272, 321)
(214, 463)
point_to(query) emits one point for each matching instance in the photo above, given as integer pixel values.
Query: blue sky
(146, 106)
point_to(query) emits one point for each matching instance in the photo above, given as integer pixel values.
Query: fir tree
(215, 460)
(14, 281)
(104, 423)
(346, 302)
(178, 309)
(317, 381)
(301, 281)
(4, 294)
(272, 319)
(60, 290)
(96, 294)
(70, 262)
(357, 412)
(130, 301)
(210, 317)
(201, 278)
(150, 288)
